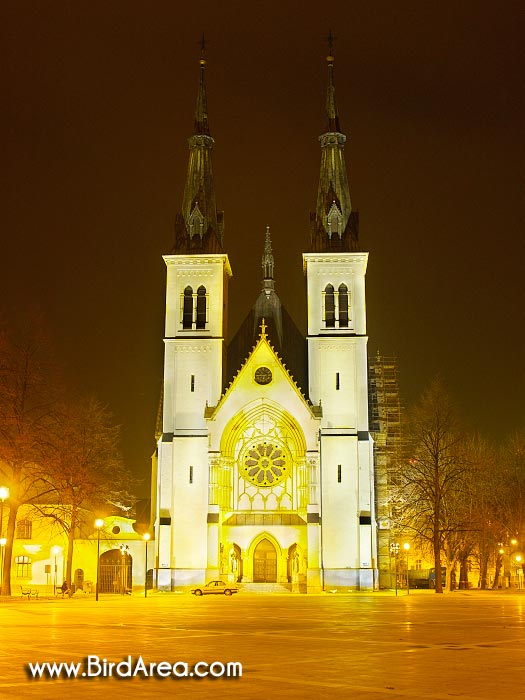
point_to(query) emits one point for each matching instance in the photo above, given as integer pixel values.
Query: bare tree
(86, 469)
(27, 398)
(432, 477)
(512, 493)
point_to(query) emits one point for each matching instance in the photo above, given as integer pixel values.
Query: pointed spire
(331, 106)
(199, 227)
(334, 224)
(201, 108)
(267, 260)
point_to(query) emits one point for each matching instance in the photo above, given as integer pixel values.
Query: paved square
(469, 645)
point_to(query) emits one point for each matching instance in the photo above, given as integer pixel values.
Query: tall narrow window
(187, 308)
(192, 382)
(191, 475)
(337, 382)
(24, 529)
(23, 566)
(201, 307)
(329, 306)
(338, 473)
(343, 306)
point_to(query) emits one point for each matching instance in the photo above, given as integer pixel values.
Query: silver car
(215, 587)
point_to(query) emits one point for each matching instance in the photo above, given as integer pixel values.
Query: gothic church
(264, 465)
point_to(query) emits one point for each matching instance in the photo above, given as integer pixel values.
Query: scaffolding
(386, 416)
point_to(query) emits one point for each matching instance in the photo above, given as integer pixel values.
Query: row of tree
(457, 496)
(59, 455)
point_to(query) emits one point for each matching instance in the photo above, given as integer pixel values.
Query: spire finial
(267, 259)
(330, 39)
(202, 44)
(263, 329)
(201, 108)
(331, 106)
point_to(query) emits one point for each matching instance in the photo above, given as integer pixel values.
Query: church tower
(195, 330)
(337, 371)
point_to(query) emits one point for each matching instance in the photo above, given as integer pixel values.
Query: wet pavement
(467, 644)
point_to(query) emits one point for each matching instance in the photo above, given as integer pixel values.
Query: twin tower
(263, 472)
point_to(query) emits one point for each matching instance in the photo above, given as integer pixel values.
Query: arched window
(329, 306)
(343, 306)
(187, 308)
(24, 529)
(201, 307)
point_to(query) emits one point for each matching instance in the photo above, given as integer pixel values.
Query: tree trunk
(70, 545)
(483, 570)
(497, 570)
(8, 549)
(437, 564)
(463, 573)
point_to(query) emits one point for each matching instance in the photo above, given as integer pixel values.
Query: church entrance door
(265, 563)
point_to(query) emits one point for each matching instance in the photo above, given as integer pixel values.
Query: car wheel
(198, 592)
(227, 592)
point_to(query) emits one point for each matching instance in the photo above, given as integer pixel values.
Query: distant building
(264, 467)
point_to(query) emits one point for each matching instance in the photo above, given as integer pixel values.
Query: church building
(263, 472)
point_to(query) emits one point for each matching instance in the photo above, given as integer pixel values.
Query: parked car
(215, 587)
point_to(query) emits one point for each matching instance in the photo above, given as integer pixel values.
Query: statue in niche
(234, 561)
(295, 563)
(223, 559)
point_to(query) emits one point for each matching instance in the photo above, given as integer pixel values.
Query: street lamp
(124, 550)
(394, 551)
(3, 543)
(406, 547)
(146, 537)
(4, 494)
(519, 571)
(55, 551)
(98, 524)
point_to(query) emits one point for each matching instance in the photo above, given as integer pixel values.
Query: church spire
(199, 227)
(201, 108)
(268, 262)
(334, 225)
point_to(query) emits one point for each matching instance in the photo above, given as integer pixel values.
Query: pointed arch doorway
(265, 563)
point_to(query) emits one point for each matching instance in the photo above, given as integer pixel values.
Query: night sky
(98, 100)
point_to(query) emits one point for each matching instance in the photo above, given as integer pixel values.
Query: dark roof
(284, 336)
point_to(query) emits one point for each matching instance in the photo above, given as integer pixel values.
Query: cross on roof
(202, 44)
(330, 39)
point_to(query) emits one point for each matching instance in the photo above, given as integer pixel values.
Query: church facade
(264, 465)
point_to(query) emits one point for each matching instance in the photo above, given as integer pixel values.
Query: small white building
(264, 468)
(40, 549)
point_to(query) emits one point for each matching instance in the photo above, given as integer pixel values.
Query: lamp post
(406, 547)
(98, 524)
(394, 551)
(146, 537)
(3, 543)
(4, 494)
(124, 550)
(519, 571)
(55, 551)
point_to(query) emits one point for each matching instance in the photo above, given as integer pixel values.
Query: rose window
(264, 464)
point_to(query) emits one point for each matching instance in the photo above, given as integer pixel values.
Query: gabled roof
(286, 339)
(263, 354)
